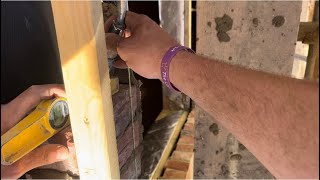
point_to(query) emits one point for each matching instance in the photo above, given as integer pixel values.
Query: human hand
(13, 112)
(143, 47)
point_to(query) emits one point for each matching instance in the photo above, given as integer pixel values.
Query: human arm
(275, 117)
(12, 113)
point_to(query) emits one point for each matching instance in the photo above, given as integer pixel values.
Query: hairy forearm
(275, 117)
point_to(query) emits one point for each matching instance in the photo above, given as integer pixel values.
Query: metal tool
(48, 118)
(118, 27)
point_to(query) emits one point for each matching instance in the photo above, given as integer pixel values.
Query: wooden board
(256, 42)
(169, 146)
(190, 169)
(312, 67)
(308, 32)
(187, 22)
(81, 41)
(182, 160)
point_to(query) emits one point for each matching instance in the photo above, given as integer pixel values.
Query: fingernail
(62, 153)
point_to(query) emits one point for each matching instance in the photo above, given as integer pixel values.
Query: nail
(62, 153)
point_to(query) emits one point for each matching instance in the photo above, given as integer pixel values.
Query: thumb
(43, 155)
(120, 64)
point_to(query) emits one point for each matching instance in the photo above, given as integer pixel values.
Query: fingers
(30, 98)
(133, 20)
(112, 41)
(116, 44)
(40, 156)
(127, 33)
(120, 64)
(109, 22)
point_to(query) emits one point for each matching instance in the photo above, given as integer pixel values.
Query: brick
(128, 171)
(126, 138)
(125, 142)
(191, 114)
(187, 133)
(190, 120)
(188, 127)
(174, 174)
(185, 147)
(180, 155)
(121, 107)
(186, 140)
(177, 164)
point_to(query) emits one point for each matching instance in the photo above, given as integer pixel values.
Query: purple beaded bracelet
(165, 63)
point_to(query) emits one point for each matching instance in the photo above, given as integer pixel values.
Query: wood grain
(81, 41)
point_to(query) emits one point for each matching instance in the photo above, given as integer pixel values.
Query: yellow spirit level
(49, 117)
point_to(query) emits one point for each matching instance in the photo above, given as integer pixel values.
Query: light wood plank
(81, 42)
(308, 32)
(169, 147)
(187, 22)
(312, 68)
(190, 169)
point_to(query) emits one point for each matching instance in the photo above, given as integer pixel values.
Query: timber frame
(81, 41)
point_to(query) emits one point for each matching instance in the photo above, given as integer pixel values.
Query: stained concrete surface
(263, 37)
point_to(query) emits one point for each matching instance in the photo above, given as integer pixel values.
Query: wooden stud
(81, 41)
(312, 68)
(187, 23)
(308, 32)
(190, 170)
(169, 147)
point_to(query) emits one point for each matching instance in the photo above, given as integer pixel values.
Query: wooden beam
(187, 22)
(190, 169)
(312, 68)
(169, 147)
(81, 42)
(308, 32)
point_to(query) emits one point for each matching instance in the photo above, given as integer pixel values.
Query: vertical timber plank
(81, 41)
(312, 68)
(301, 50)
(187, 22)
(262, 37)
